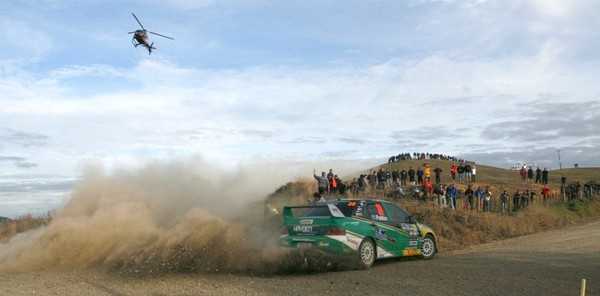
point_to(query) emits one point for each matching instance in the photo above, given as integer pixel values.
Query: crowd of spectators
(425, 155)
(393, 183)
(575, 190)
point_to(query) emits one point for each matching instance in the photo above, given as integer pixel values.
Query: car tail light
(336, 230)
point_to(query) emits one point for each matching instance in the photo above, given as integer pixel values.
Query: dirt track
(550, 263)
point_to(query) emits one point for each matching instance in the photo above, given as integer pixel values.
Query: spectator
(530, 175)
(333, 184)
(468, 171)
(531, 196)
(487, 199)
(473, 173)
(479, 194)
(545, 176)
(538, 175)
(545, 193)
(416, 191)
(453, 172)
(341, 186)
(363, 183)
(420, 174)
(516, 198)
(381, 179)
(354, 187)
(398, 192)
(523, 173)
(411, 175)
(503, 201)
(438, 173)
(372, 178)
(427, 172)
(524, 199)
(403, 175)
(395, 176)
(439, 199)
(330, 174)
(427, 189)
(452, 193)
(469, 194)
(461, 173)
(322, 182)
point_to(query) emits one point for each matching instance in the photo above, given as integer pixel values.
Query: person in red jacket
(546, 192)
(427, 188)
(453, 172)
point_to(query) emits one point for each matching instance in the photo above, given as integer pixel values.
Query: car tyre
(429, 247)
(367, 252)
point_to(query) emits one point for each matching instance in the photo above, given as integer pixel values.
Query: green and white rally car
(368, 229)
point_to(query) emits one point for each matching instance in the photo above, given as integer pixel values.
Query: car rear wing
(328, 210)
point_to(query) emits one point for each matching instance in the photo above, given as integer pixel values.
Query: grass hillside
(458, 228)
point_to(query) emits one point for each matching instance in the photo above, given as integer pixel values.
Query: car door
(389, 237)
(406, 225)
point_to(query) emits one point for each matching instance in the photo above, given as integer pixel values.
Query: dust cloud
(176, 216)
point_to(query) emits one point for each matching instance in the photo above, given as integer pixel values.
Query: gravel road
(549, 263)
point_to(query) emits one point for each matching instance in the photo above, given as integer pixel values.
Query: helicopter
(140, 37)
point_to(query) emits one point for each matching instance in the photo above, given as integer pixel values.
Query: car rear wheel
(366, 252)
(428, 248)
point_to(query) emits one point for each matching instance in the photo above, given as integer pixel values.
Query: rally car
(367, 229)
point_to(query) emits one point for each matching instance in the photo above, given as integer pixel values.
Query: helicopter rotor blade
(138, 21)
(161, 35)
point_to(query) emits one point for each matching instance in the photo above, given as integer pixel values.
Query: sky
(291, 84)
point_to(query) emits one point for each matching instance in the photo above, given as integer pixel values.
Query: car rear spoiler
(333, 210)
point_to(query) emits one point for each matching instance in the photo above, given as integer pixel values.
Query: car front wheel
(366, 252)
(428, 248)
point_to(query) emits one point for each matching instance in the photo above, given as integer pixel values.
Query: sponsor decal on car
(302, 228)
(405, 226)
(411, 252)
(306, 221)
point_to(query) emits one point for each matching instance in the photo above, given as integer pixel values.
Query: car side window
(398, 215)
(375, 212)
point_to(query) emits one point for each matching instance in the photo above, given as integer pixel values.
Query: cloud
(546, 123)
(23, 139)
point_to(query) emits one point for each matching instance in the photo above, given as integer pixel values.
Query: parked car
(364, 228)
